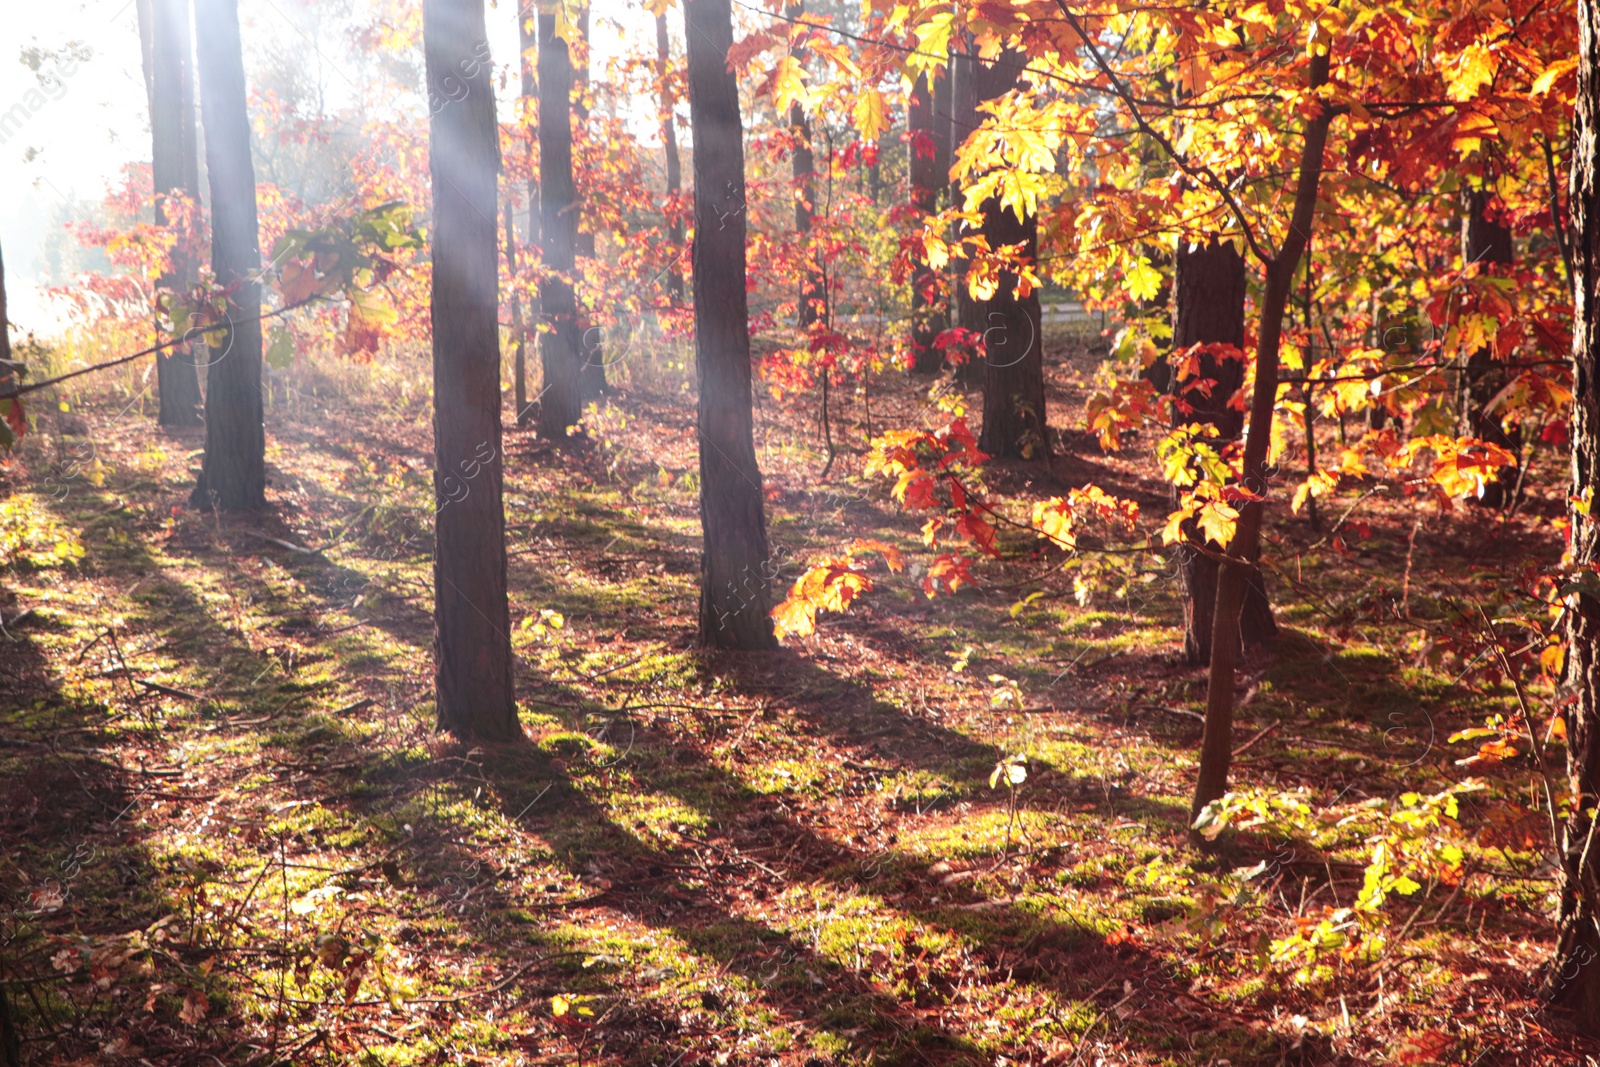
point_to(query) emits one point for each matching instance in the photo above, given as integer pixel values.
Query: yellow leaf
(789, 84)
(1142, 281)
(871, 115)
(1543, 83)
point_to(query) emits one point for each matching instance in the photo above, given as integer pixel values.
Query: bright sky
(66, 142)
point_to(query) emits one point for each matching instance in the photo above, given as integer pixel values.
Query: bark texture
(233, 473)
(472, 624)
(734, 598)
(1210, 291)
(1574, 975)
(561, 348)
(175, 168)
(1013, 372)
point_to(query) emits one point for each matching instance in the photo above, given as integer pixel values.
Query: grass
(701, 858)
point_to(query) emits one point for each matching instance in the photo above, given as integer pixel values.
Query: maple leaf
(870, 114)
(788, 82)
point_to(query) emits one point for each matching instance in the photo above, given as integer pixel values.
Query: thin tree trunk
(803, 170)
(519, 371)
(233, 473)
(964, 119)
(472, 624)
(1486, 241)
(669, 144)
(1013, 374)
(927, 314)
(1209, 296)
(734, 599)
(561, 347)
(592, 374)
(1573, 979)
(175, 171)
(528, 41)
(1216, 752)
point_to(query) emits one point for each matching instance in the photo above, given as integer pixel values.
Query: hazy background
(58, 165)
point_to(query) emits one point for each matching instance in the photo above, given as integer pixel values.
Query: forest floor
(232, 835)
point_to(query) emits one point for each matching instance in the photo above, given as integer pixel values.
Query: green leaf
(281, 352)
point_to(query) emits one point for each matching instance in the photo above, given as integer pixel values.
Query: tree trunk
(561, 348)
(927, 305)
(1573, 979)
(1013, 375)
(1486, 241)
(528, 41)
(175, 169)
(734, 599)
(519, 370)
(592, 374)
(472, 623)
(669, 144)
(803, 168)
(964, 118)
(233, 473)
(1216, 753)
(1210, 291)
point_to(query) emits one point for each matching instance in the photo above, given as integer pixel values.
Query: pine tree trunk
(561, 348)
(175, 169)
(233, 473)
(1487, 242)
(1210, 292)
(734, 599)
(1013, 373)
(669, 144)
(472, 624)
(927, 313)
(1574, 976)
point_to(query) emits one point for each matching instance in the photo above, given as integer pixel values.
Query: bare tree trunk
(1573, 979)
(669, 144)
(233, 473)
(1486, 241)
(1210, 292)
(592, 373)
(927, 305)
(1216, 751)
(528, 41)
(734, 598)
(561, 348)
(1013, 376)
(175, 169)
(471, 616)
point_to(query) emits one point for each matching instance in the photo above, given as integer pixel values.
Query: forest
(800, 533)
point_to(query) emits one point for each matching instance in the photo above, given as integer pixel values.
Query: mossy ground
(793, 858)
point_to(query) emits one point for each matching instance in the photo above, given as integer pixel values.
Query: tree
(669, 144)
(1210, 290)
(1574, 976)
(592, 373)
(927, 309)
(813, 305)
(175, 168)
(1244, 549)
(1486, 243)
(233, 473)
(561, 346)
(528, 43)
(734, 598)
(1013, 374)
(472, 624)
(966, 310)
